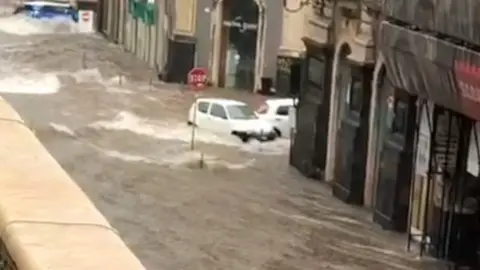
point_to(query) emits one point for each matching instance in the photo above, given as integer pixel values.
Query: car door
(202, 113)
(282, 121)
(218, 119)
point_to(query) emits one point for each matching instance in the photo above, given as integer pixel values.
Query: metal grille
(441, 207)
(6, 261)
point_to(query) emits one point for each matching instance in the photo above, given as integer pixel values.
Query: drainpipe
(168, 17)
(217, 40)
(335, 100)
(259, 56)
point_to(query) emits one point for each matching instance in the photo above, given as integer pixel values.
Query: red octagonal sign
(197, 78)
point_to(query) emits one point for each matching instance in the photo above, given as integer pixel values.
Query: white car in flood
(230, 117)
(280, 113)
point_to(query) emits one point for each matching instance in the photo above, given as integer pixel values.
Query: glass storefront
(240, 23)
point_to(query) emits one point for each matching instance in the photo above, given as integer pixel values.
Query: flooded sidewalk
(124, 139)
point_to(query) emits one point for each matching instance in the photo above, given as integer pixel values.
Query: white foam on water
(194, 159)
(127, 121)
(279, 146)
(23, 25)
(169, 131)
(62, 129)
(186, 159)
(113, 85)
(33, 83)
(86, 75)
(128, 157)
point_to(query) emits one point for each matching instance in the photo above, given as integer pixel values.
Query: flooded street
(122, 136)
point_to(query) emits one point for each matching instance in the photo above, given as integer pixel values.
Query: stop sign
(197, 78)
(86, 16)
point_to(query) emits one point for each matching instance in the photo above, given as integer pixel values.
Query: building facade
(334, 101)
(388, 114)
(236, 41)
(140, 27)
(431, 60)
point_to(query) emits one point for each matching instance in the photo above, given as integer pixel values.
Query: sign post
(197, 79)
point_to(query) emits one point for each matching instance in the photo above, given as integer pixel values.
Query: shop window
(218, 111)
(283, 110)
(316, 71)
(355, 95)
(203, 107)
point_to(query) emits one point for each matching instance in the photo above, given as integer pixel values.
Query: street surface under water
(125, 141)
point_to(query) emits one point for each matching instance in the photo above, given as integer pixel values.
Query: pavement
(122, 137)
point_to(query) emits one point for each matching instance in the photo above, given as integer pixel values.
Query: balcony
(457, 19)
(318, 23)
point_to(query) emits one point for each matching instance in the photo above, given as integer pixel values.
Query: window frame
(354, 95)
(321, 81)
(221, 106)
(399, 105)
(281, 107)
(208, 106)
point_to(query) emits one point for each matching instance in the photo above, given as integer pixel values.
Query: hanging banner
(473, 153)
(144, 11)
(424, 138)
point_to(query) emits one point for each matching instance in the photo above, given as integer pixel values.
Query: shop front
(354, 83)
(428, 183)
(308, 151)
(349, 121)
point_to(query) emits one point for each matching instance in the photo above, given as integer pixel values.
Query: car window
(283, 110)
(203, 106)
(218, 111)
(240, 112)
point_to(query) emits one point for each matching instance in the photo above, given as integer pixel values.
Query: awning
(455, 18)
(432, 68)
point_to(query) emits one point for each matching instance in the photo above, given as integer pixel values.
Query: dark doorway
(295, 77)
(309, 143)
(181, 58)
(352, 146)
(396, 161)
(289, 76)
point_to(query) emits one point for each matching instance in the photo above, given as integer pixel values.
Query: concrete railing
(46, 221)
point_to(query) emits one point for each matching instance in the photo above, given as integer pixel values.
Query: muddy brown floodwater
(126, 143)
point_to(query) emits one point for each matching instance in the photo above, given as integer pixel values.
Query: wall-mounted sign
(238, 22)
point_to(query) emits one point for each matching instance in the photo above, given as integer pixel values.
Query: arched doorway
(396, 157)
(354, 84)
(309, 144)
(240, 31)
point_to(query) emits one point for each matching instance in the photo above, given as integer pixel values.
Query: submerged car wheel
(272, 137)
(278, 132)
(243, 136)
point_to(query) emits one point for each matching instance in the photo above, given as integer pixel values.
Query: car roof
(281, 101)
(223, 101)
(54, 3)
